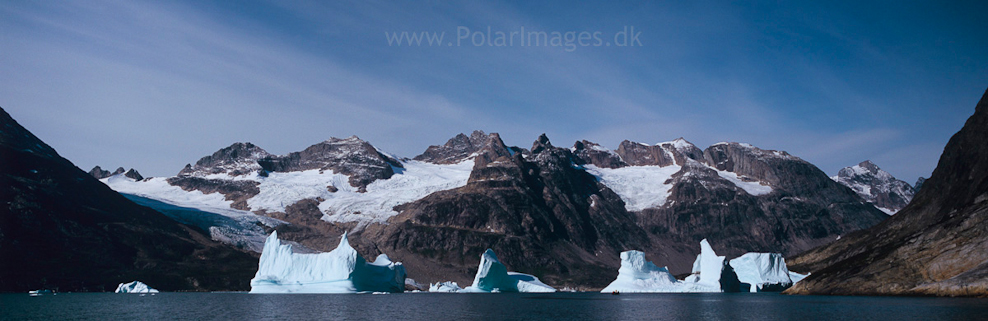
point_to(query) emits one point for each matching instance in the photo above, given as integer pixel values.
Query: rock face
(133, 174)
(541, 212)
(99, 173)
(587, 152)
(876, 186)
(934, 246)
(349, 156)
(461, 147)
(919, 183)
(236, 160)
(60, 227)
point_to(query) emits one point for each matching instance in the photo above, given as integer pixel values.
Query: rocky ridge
(876, 186)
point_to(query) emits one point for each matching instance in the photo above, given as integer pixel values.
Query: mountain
(61, 228)
(99, 173)
(542, 214)
(876, 186)
(564, 214)
(738, 196)
(934, 246)
(919, 183)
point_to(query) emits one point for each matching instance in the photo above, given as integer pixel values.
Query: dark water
(504, 306)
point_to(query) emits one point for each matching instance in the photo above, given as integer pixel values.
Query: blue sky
(156, 85)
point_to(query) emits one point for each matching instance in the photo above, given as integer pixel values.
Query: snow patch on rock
(640, 187)
(753, 188)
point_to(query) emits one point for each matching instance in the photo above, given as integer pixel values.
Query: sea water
(502, 306)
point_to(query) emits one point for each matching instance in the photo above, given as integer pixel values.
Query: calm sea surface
(503, 306)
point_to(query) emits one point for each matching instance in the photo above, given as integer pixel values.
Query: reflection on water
(504, 306)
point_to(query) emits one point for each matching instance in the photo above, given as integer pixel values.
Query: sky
(156, 85)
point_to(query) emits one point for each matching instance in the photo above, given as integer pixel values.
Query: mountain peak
(461, 147)
(876, 186)
(235, 160)
(542, 143)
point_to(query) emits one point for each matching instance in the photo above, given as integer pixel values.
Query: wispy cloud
(155, 85)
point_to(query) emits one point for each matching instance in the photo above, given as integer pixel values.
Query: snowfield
(753, 188)
(281, 189)
(417, 180)
(640, 187)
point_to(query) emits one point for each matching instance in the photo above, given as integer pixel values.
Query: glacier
(762, 272)
(493, 277)
(134, 287)
(341, 270)
(210, 212)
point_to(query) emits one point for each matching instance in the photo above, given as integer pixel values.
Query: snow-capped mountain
(876, 186)
(536, 206)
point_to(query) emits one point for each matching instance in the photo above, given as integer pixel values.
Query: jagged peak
(680, 144)
(133, 174)
(542, 143)
(462, 147)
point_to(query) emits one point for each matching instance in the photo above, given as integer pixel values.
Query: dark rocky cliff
(934, 246)
(60, 228)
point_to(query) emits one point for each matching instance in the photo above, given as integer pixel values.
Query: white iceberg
(796, 277)
(637, 275)
(134, 287)
(448, 286)
(493, 277)
(339, 271)
(762, 272)
(712, 272)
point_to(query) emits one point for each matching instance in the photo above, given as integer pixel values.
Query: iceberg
(493, 277)
(710, 274)
(796, 277)
(762, 272)
(637, 275)
(447, 286)
(341, 270)
(134, 287)
(711, 271)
